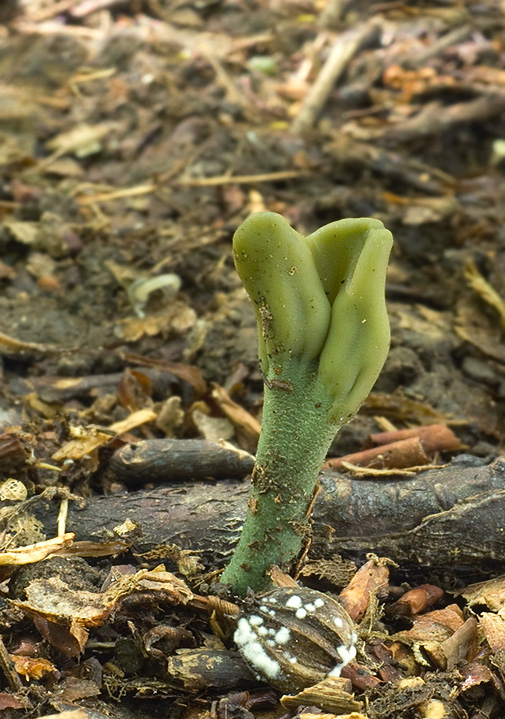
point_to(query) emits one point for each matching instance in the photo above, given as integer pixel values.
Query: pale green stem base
(295, 436)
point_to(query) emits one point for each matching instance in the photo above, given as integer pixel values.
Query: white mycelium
(246, 640)
(255, 620)
(294, 602)
(266, 610)
(347, 654)
(283, 635)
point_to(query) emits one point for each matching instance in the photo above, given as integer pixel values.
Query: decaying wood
(450, 519)
(6, 664)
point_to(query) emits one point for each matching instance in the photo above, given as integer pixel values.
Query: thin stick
(117, 194)
(62, 516)
(344, 47)
(242, 179)
(7, 665)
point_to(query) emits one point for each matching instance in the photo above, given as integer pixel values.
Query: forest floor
(135, 136)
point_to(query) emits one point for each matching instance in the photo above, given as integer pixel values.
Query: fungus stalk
(323, 337)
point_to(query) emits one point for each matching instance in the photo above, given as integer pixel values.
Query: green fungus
(323, 337)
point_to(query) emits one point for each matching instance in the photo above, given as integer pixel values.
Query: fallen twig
(344, 47)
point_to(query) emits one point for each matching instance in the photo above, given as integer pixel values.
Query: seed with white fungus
(292, 637)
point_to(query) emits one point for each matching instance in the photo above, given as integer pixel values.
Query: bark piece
(370, 580)
(434, 437)
(463, 642)
(401, 454)
(202, 667)
(332, 694)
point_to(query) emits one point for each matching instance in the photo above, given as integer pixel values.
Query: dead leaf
(246, 426)
(332, 694)
(32, 667)
(484, 339)
(493, 626)
(491, 593)
(92, 438)
(430, 631)
(32, 553)
(74, 611)
(9, 701)
(72, 689)
(177, 317)
(82, 140)
(212, 428)
(188, 373)
(24, 232)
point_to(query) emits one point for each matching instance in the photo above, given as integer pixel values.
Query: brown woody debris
(333, 695)
(434, 437)
(403, 454)
(430, 631)
(491, 593)
(62, 611)
(370, 579)
(416, 600)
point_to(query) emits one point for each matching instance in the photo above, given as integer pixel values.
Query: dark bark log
(168, 460)
(450, 519)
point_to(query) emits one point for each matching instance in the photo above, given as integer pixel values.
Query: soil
(135, 137)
